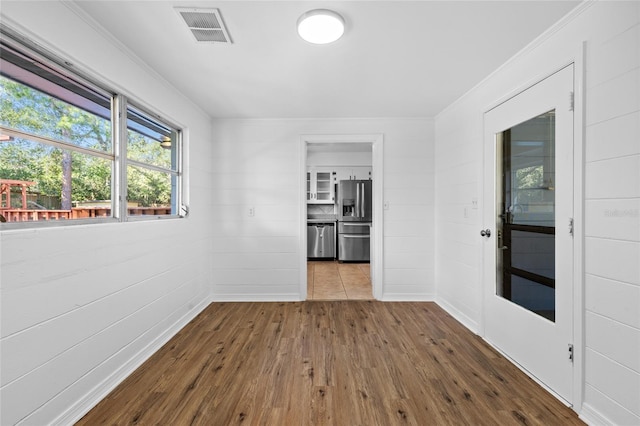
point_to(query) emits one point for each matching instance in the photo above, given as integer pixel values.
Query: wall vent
(206, 25)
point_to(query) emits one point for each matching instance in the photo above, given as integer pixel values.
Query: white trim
(579, 123)
(319, 119)
(528, 85)
(243, 297)
(376, 141)
(377, 272)
(120, 146)
(302, 214)
(82, 406)
(408, 297)
(458, 315)
(591, 416)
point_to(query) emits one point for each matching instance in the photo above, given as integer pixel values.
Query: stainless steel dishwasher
(321, 240)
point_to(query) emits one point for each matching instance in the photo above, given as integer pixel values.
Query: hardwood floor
(331, 280)
(328, 363)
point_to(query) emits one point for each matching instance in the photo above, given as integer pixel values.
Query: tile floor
(331, 280)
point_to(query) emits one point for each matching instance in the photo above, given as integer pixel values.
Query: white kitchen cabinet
(353, 173)
(342, 173)
(361, 173)
(320, 186)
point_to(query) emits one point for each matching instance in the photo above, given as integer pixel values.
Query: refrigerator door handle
(359, 199)
(362, 204)
(357, 212)
(358, 195)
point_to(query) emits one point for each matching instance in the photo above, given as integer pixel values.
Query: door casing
(377, 142)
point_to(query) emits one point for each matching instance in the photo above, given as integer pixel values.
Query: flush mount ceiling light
(320, 26)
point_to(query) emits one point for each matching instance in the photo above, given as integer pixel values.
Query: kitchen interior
(339, 218)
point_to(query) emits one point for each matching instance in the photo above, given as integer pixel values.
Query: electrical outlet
(386, 205)
(474, 203)
(252, 211)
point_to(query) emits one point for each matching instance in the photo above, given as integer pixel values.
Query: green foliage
(146, 150)
(29, 110)
(528, 184)
(148, 187)
(91, 178)
(529, 177)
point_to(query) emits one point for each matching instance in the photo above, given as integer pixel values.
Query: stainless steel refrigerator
(354, 220)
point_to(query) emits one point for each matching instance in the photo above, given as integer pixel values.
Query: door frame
(377, 141)
(578, 215)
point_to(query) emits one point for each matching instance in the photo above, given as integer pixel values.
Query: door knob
(485, 233)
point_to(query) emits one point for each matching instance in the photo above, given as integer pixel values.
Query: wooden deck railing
(25, 215)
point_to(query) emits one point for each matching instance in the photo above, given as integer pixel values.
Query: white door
(528, 242)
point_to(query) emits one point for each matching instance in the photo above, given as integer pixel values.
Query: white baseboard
(458, 315)
(286, 297)
(408, 297)
(294, 297)
(593, 417)
(98, 393)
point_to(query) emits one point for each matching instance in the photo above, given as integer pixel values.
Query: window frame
(125, 162)
(119, 102)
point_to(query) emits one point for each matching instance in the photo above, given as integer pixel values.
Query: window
(152, 165)
(66, 155)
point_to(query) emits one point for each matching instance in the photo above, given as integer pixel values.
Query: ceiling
(396, 59)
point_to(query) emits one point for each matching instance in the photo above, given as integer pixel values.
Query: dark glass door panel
(526, 224)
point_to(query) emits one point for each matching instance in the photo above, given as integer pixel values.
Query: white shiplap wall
(611, 284)
(612, 218)
(82, 305)
(256, 164)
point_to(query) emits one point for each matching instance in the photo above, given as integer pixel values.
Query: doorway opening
(339, 260)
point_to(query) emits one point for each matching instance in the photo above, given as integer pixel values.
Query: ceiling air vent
(206, 25)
